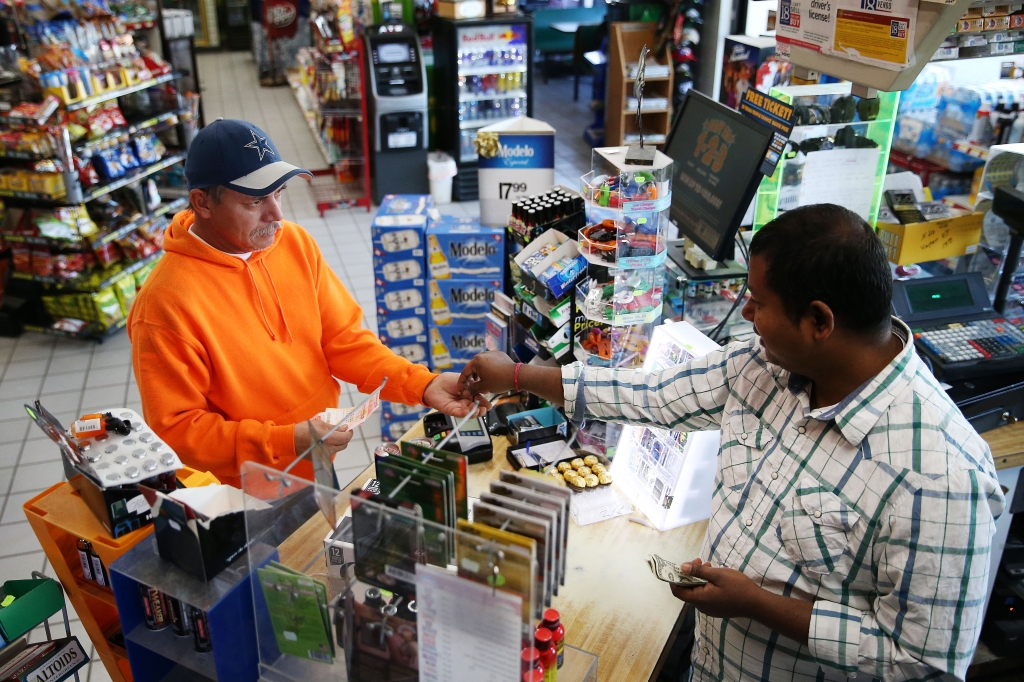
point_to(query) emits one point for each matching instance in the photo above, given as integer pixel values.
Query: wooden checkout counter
(611, 605)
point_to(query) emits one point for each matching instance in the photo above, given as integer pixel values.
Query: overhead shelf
(935, 22)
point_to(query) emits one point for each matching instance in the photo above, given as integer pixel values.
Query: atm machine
(398, 111)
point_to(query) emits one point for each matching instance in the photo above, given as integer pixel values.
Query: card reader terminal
(471, 440)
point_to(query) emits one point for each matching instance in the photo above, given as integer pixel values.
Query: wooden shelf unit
(60, 517)
(626, 41)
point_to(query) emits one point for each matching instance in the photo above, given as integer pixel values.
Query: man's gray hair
(216, 193)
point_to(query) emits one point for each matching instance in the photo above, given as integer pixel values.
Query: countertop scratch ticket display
(875, 32)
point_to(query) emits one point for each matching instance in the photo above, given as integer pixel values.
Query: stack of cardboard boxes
(399, 274)
(465, 264)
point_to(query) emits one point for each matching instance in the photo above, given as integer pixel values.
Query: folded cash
(666, 571)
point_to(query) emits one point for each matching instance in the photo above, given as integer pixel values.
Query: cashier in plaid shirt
(854, 506)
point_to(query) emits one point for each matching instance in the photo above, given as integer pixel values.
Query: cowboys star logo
(259, 144)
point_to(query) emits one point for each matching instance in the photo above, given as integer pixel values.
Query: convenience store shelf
(488, 70)
(499, 95)
(470, 125)
(106, 238)
(153, 125)
(97, 192)
(71, 284)
(140, 25)
(121, 92)
(91, 332)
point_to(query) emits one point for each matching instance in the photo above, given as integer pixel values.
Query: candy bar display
(625, 246)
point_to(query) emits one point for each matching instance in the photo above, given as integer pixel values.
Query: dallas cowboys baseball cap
(239, 156)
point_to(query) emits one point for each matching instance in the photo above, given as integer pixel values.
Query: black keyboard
(963, 350)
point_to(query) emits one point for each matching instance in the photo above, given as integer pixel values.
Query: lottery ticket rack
(346, 588)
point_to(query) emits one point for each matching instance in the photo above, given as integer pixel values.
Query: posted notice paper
(468, 632)
(876, 32)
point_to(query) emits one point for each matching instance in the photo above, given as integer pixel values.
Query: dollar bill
(665, 570)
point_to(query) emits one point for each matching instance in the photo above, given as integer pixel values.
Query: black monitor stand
(1009, 205)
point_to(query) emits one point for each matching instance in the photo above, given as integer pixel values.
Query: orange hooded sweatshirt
(230, 354)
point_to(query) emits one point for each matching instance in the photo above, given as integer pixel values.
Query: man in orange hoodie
(241, 329)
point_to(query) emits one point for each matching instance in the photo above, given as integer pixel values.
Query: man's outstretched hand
(444, 394)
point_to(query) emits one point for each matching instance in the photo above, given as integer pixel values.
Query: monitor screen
(717, 155)
(390, 53)
(927, 297)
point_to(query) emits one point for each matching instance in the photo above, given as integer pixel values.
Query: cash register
(977, 352)
(956, 327)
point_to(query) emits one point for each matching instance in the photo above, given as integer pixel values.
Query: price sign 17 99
(506, 189)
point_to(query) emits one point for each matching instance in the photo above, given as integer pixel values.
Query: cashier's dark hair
(830, 254)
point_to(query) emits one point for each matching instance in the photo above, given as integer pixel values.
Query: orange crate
(60, 518)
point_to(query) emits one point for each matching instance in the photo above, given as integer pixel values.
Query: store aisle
(73, 377)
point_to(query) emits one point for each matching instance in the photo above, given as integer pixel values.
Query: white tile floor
(73, 378)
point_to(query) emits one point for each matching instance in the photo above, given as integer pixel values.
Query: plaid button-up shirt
(880, 510)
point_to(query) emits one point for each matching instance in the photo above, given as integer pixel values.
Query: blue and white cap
(239, 156)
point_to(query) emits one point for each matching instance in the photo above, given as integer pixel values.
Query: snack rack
(329, 88)
(66, 265)
(619, 299)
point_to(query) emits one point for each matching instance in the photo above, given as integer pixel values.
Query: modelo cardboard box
(453, 346)
(398, 228)
(402, 331)
(522, 164)
(750, 63)
(459, 247)
(461, 301)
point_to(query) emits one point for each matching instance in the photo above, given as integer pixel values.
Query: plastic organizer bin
(631, 297)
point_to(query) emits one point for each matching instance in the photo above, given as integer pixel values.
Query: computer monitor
(717, 155)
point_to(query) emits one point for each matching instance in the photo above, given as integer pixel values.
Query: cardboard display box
(34, 601)
(932, 240)
(460, 247)
(202, 530)
(461, 301)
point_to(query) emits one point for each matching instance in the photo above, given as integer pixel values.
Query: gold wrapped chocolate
(592, 481)
(604, 478)
(584, 471)
(576, 463)
(564, 466)
(486, 144)
(557, 476)
(590, 460)
(598, 468)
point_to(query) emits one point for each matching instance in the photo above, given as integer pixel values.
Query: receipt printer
(397, 84)
(471, 440)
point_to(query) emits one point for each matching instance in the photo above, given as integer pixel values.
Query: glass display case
(482, 73)
(838, 152)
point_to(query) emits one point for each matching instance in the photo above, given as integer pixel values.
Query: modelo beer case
(459, 247)
(460, 301)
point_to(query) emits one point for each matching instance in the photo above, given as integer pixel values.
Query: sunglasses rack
(837, 151)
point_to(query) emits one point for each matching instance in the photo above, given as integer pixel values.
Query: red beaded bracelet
(515, 376)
